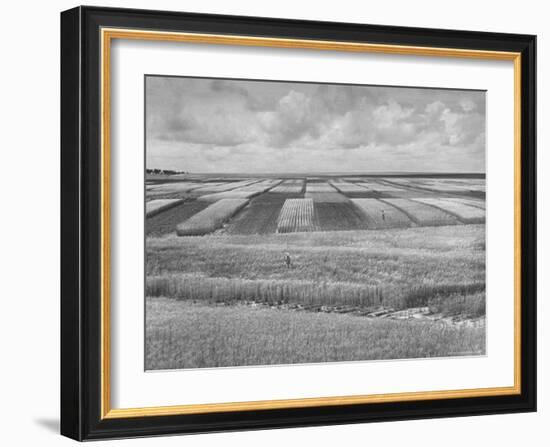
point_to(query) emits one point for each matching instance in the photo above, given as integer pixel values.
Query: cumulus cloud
(215, 125)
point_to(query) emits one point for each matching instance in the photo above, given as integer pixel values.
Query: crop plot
(167, 221)
(175, 187)
(259, 217)
(381, 215)
(399, 181)
(444, 185)
(326, 197)
(467, 201)
(346, 187)
(224, 186)
(211, 187)
(380, 187)
(233, 194)
(211, 218)
(244, 192)
(339, 216)
(476, 187)
(156, 206)
(466, 213)
(422, 214)
(319, 187)
(289, 187)
(296, 215)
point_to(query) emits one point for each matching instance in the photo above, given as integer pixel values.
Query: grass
(181, 334)
(470, 306)
(307, 293)
(211, 218)
(405, 267)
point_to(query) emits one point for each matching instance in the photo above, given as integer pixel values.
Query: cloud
(228, 125)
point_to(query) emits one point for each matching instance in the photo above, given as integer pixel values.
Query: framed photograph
(276, 223)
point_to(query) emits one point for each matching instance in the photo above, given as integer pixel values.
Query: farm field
(289, 187)
(467, 201)
(219, 291)
(210, 218)
(464, 212)
(153, 207)
(296, 215)
(167, 221)
(382, 215)
(331, 268)
(326, 197)
(356, 200)
(260, 217)
(338, 216)
(346, 187)
(183, 334)
(291, 221)
(422, 214)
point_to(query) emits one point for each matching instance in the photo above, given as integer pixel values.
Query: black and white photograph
(296, 222)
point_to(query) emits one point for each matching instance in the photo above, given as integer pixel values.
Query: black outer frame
(81, 205)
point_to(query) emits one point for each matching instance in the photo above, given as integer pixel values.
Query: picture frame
(87, 34)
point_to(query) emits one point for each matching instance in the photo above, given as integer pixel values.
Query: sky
(238, 126)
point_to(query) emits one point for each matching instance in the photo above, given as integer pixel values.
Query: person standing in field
(383, 216)
(287, 260)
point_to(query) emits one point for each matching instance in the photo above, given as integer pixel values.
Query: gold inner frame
(107, 35)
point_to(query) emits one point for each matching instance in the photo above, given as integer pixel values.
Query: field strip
(156, 206)
(319, 187)
(405, 185)
(381, 187)
(211, 218)
(225, 186)
(327, 197)
(305, 292)
(421, 213)
(346, 187)
(382, 215)
(296, 215)
(259, 217)
(235, 194)
(466, 213)
(167, 221)
(289, 187)
(442, 187)
(476, 188)
(339, 216)
(167, 188)
(472, 202)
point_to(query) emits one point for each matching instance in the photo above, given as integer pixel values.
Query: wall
(29, 319)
